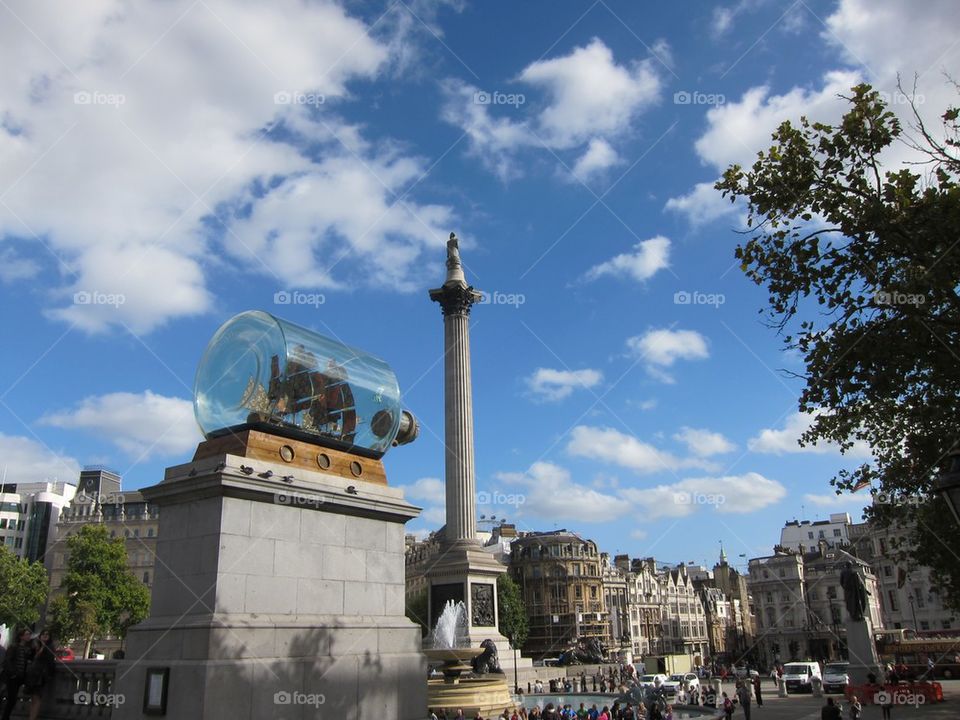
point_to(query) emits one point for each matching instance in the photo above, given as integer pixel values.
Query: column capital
(456, 298)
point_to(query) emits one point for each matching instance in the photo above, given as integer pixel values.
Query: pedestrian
(41, 670)
(887, 706)
(773, 676)
(743, 697)
(855, 708)
(758, 690)
(830, 711)
(931, 667)
(727, 707)
(15, 666)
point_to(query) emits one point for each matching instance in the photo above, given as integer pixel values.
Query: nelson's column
(463, 570)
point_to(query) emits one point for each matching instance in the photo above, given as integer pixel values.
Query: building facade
(800, 611)
(645, 607)
(907, 596)
(125, 514)
(560, 576)
(29, 513)
(684, 619)
(805, 536)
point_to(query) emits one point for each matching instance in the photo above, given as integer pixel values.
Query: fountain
(486, 694)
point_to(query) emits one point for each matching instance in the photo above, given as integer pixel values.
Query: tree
(101, 596)
(416, 610)
(23, 589)
(513, 613)
(878, 252)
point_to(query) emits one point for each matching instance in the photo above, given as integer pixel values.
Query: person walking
(758, 689)
(855, 709)
(41, 671)
(830, 711)
(727, 707)
(15, 665)
(743, 696)
(887, 706)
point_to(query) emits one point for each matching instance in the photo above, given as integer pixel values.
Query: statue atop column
(454, 266)
(854, 591)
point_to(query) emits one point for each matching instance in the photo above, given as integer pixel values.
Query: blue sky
(164, 166)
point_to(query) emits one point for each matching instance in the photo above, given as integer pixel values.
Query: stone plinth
(276, 599)
(862, 652)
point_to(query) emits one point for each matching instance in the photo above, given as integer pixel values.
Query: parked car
(742, 671)
(836, 677)
(652, 680)
(687, 681)
(65, 654)
(798, 675)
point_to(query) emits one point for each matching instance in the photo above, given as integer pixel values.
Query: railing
(80, 689)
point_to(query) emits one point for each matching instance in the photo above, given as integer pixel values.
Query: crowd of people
(617, 711)
(28, 666)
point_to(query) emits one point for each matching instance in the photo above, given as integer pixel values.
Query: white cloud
(612, 446)
(140, 424)
(730, 494)
(704, 443)
(127, 126)
(431, 492)
(703, 204)
(591, 100)
(659, 349)
(426, 488)
(551, 493)
(869, 37)
(786, 439)
(722, 20)
(737, 130)
(24, 460)
(648, 258)
(13, 267)
(843, 500)
(638, 534)
(550, 384)
(590, 93)
(598, 157)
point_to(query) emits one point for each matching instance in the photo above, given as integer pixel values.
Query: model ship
(304, 398)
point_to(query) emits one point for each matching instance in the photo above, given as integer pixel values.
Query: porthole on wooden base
(286, 453)
(356, 469)
(323, 461)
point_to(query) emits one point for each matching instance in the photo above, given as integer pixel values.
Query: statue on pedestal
(854, 591)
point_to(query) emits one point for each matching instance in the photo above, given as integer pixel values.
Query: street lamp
(949, 485)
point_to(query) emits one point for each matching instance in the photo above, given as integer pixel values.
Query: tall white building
(804, 535)
(29, 512)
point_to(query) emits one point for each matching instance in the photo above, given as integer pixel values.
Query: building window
(149, 532)
(146, 578)
(892, 597)
(782, 573)
(578, 591)
(887, 571)
(924, 625)
(136, 532)
(946, 624)
(810, 535)
(836, 532)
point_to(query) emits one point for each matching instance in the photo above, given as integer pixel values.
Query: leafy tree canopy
(100, 595)
(862, 266)
(23, 589)
(513, 614)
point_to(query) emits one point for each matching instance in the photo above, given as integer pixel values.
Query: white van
(798, 675)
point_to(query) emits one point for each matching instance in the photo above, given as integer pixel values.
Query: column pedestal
(274, 599)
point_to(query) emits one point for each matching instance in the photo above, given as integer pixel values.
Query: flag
(901, 577)
(860, 485)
